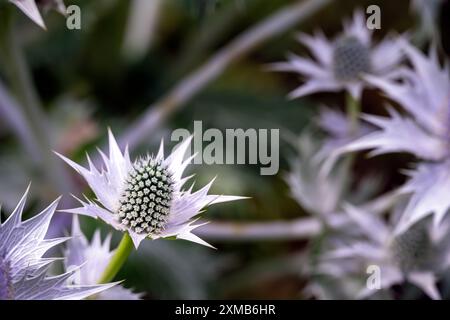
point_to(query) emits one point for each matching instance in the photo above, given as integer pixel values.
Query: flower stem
(353, 108)
(120, 256)
(353, 111)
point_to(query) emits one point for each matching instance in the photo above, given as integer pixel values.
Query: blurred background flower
(341, 63)
(94, 256)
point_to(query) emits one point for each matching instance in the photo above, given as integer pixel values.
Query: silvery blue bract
(23, 269)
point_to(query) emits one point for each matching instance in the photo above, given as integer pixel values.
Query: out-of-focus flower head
(23, 269)
(323, 195)
(414, 256)
(424, 131)
(318, 194)
(340, 63)
(31, 8)
(326, 197)
(95, 257)
(145, 198)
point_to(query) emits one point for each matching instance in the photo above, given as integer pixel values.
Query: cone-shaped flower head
(94, 256)
(351, 58)
(23, 270)
(341, 63)
(145, 197)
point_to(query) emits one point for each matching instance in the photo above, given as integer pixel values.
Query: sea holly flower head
(94, 256)
(412, 256)
(351, 58)
(324, 195)
(341, 63)
(146, 197)
(424, 131)
(23, 268)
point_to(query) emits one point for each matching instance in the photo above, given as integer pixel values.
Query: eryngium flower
(23, 270)
(412, 256)
(340, 63)
(30, 8)
(145, 197)
(324, 195)
(424, 131)
(94, 256)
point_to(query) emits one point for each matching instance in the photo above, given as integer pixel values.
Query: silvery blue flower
(324, 195)
(145, 198)
(340, 63)
(424, 131)
(94, 256)
(412, 256)
(23, 269)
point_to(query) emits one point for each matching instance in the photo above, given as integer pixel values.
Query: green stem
(120, 256)
(353, 111)
(353, 108)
